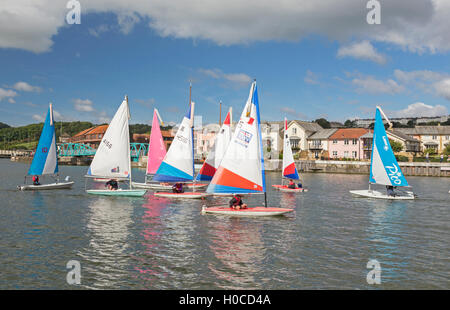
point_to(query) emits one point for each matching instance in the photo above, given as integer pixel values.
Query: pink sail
(156, 147)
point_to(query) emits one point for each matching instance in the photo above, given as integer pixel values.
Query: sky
(311, 59)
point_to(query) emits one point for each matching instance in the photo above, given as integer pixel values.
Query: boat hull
(253, 211)
(185, 195)
(368, 193)
(285, 189)
(163, 187)
(62, 185)
(119, 192)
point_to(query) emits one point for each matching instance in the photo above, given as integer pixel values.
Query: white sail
(112, 159)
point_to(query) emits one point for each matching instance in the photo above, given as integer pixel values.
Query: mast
(129, 155)
(220, 113)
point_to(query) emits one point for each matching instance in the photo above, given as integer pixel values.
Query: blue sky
(304, 71)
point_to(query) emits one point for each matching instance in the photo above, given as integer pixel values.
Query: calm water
(156, 243)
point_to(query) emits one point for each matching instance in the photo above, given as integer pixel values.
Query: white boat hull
(118, 192)
(163, 187)
(185, 195)
(369, 193)
(60, 185)
(251, 211)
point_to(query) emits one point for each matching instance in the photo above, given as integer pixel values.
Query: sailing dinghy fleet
(234, 165)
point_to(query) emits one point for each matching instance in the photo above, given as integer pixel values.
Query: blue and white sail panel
(45, 160)
(384, 168)
(178, 164)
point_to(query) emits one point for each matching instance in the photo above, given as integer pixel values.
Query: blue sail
(45, 159)
(384, 168)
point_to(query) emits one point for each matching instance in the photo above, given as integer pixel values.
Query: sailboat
(178, 164)
(156, 153)
(241, 170)
(45, 159)
(289, 170)
(217, 152)
(112, 159)
(384, 168)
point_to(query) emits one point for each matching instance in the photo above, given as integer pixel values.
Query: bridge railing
(80, 149)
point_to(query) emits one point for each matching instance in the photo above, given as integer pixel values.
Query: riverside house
(318, 143)
(347, 143)
(430, 137)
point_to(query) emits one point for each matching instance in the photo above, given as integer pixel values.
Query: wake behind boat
(241, 170)
(45, 159)
(112, 159)
(384, 168)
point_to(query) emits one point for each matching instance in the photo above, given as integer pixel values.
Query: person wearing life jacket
(36, 180)
(112, 185)
(390, 190)
(291, 184)
(178, 188)
(237, 203)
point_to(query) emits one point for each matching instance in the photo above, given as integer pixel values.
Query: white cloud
(420, 109)
(421, 25)
(7, 93)
(238, 79)
(311, 78)
(429, 81)
(24, 86)
(361, 50)
(97, 31)
(146, 102)
(373, 86)
(292, 112)
(443, 88)
(39, 118)
(83, 105)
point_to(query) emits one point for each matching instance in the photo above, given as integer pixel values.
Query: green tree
(323, 123)
(396, 146)
(349, 124)
(447, 150)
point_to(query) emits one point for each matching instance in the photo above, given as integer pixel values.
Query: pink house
(347, 143)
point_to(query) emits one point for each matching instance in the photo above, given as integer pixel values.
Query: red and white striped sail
(217, 152)
(289, 169)
(242, 167)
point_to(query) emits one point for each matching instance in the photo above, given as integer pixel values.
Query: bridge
(80, 149)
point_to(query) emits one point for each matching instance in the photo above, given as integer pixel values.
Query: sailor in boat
(300, 185)
(36, 180)
(178, 188)
(237, 203)
(390, 190)
(291, 184)
(112, 185)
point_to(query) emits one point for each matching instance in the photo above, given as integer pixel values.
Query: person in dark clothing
(237, 203)
(36, 180)
(291, 184)
(178, 188)
(390, 190)
(112, 185)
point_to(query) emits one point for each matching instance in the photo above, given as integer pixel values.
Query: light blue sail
(45, 159)
(384, 168)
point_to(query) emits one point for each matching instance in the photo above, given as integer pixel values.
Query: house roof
(323, 134)
(92, 130)
(395, 133)
(426, 130)
(307, 126)
(348, 133)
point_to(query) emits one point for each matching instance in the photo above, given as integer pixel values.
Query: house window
(434, 137)
(334, 141)
(346, 141)
(354, 141)
(447, 137)
(346, 154)
(355, 154)
(294, 131)
(335, 153)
